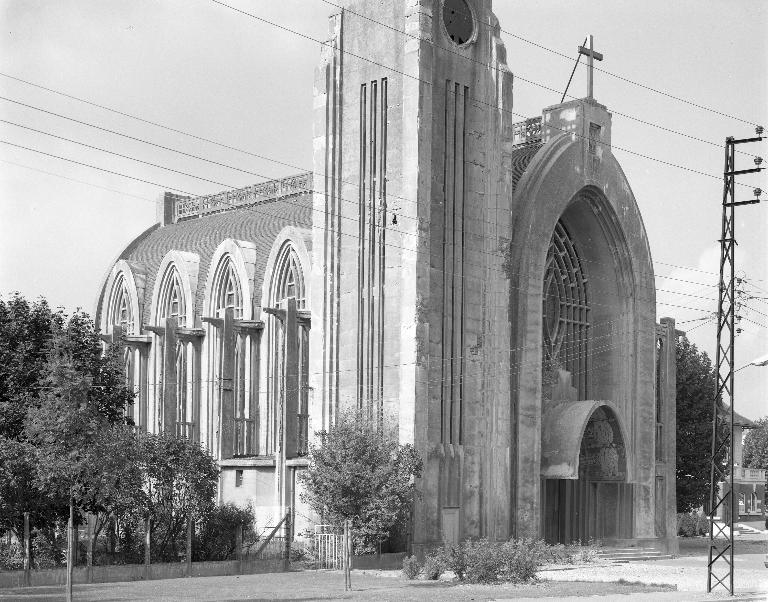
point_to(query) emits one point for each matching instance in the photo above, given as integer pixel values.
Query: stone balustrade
(526, 132)
(190, 207)
(751, 475)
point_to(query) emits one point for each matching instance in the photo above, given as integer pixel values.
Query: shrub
(411, 567)
(217, 532)
(11, 557)
(434, 565)
(456, 560)
(483, 561)
(692, 524)
(520, 558)
(45, 553)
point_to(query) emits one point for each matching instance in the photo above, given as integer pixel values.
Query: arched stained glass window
(566, 309)
(171, 302)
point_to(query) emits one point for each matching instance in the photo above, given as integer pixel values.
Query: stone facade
(483, 285)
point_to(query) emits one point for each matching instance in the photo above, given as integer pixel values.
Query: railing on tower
(526, 132)
(244, 442)
(188, 207)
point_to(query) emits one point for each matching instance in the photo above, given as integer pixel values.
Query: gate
(328, 547)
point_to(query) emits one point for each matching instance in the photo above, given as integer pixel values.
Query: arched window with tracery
(172, 303)
(227, 294)
(288, 283)
(120, 319)
(566, 310)
(119, 311)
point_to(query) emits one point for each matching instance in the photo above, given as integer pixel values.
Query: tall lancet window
(172, 304)
(227, 293)
(120, 315)
(566, 311)
(288, 283)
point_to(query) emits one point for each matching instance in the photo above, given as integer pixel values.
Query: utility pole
(720, 558)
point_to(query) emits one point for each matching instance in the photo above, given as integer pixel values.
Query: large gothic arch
(598, 209)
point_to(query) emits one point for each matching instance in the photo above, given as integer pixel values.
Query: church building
(479, 281)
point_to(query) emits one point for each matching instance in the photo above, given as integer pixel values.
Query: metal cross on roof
(591, 55)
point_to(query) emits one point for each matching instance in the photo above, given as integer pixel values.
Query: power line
(355, 203)
(50, 173)
(115, 173)
(357, 237)
(405, 249)
(520, 77)
(601, 70)
(116, 154)
(474, 99)
(58, 92)
(144, 141)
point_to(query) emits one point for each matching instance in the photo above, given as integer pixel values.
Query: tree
(696, 388)
(34, 339)
(26, 331)
(360, 474)
(756, 445)
(179, 483)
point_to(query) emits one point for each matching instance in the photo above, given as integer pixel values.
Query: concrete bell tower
(413, 102)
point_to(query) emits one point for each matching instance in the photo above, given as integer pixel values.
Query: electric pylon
(721, 532)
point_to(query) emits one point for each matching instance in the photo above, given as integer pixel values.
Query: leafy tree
(36, 402)
(26, 331)
(756, 445)
(179, 482)
(360, 474)
(80, 453)
(696, 388)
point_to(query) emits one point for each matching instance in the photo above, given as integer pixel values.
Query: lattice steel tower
(721, 533)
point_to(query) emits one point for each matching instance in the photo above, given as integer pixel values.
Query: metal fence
(328, 547)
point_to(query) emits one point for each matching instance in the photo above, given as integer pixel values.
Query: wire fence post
(147, 548)
(239, 548)
(190, 529)
(89, 552)
(70, 548)
(347, 557)
(27, 550)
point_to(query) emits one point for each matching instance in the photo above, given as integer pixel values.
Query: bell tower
(413, 102)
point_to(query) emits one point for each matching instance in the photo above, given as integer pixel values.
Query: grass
(328, 585)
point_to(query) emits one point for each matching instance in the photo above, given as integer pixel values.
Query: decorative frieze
(189, 207)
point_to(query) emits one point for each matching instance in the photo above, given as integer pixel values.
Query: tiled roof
(259, 225)
(520, 158)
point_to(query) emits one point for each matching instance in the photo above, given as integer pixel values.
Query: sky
(203, 69)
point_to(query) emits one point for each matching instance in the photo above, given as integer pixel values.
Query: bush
(45, 553)
(576, 553)
(483, 561)
(216, 537)
(692, 524)
(411, 567)
(11, 557)
(434, 565)
(521, 558)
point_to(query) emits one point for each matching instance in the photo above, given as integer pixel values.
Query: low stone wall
(138, 572)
